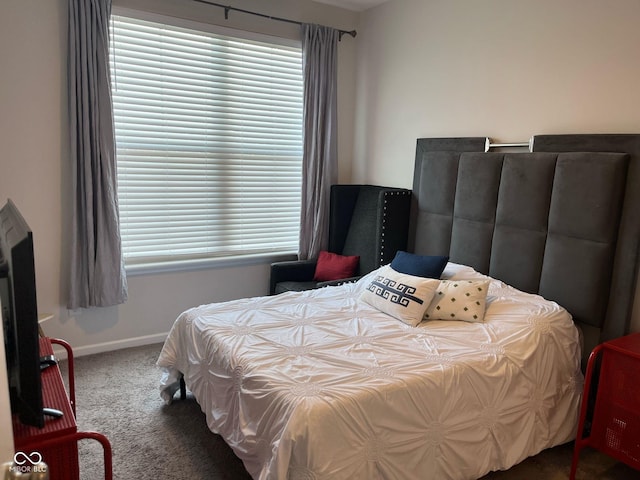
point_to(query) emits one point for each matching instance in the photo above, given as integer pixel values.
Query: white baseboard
(111, 346)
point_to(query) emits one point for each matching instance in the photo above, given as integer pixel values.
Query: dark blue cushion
(428, 266)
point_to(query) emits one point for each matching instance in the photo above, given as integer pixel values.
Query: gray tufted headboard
(562, 221)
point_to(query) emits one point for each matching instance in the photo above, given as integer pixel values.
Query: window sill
(206, 264)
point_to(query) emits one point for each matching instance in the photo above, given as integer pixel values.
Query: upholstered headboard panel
(557, 223)
(627, 256)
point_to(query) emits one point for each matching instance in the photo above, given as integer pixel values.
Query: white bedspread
(320, 385)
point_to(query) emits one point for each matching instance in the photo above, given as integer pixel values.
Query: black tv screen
(20, 316)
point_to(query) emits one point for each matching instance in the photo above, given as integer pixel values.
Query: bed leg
(183, 388)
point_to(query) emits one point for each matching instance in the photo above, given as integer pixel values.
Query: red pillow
(332, 266)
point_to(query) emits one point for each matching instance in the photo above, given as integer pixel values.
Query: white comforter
(320, 385)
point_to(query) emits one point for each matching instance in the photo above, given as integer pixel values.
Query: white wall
(31, 126)
(35, 170)
(6, 441)
(499, 68)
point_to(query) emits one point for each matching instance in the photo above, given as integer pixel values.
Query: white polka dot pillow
(405, 297)
(459, 300)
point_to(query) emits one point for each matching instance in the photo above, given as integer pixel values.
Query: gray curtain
(319, 164)
(97, 270)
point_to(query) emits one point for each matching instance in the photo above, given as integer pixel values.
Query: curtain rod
(228, 8)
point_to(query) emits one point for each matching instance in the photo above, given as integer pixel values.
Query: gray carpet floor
(117, 395)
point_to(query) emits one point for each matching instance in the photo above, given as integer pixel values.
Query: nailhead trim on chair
(384, 225)
(384, 219)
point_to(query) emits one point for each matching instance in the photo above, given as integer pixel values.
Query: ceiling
(356, 5)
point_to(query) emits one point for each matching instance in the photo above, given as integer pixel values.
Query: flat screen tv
(20, 316)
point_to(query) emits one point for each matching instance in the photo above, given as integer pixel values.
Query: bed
(329, 384)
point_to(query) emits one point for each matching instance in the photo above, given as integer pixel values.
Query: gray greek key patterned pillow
(402, 296)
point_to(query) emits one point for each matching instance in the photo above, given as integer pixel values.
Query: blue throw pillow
(427, 266)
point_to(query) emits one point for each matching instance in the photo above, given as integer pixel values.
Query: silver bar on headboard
(489, 145)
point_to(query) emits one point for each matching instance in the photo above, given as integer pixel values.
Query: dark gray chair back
(369, 221)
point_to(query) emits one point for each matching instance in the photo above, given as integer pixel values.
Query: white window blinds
(208, 143)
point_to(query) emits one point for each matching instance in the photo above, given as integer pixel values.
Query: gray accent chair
(370, 221)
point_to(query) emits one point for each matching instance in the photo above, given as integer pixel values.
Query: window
(208, 133)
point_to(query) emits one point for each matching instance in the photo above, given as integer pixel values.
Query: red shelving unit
(57, 442)
(615, 423)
